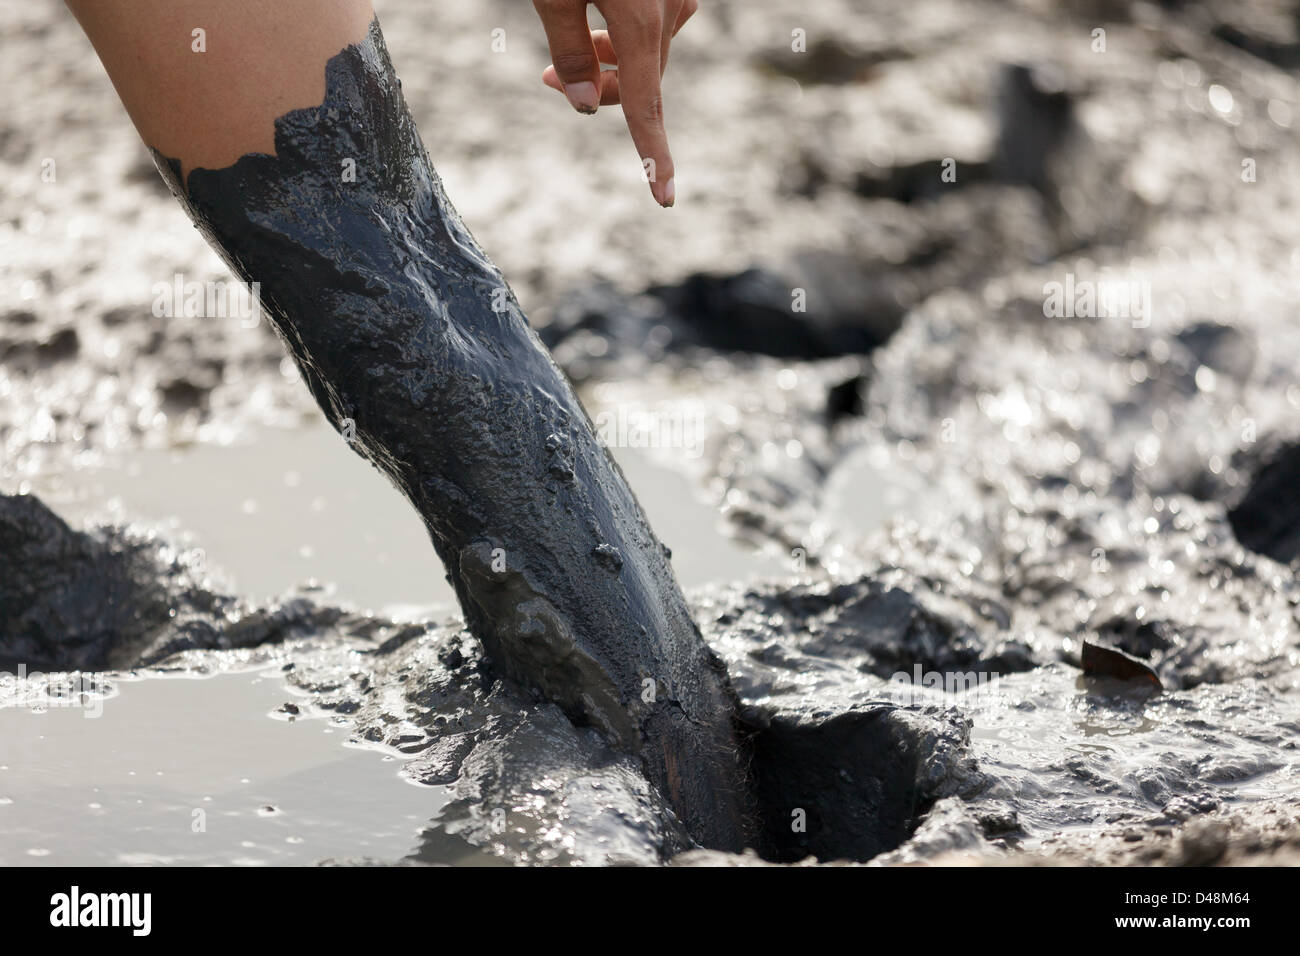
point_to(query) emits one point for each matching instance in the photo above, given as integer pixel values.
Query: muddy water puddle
(291, 507)
(195, 771)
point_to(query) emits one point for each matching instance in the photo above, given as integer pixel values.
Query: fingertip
(665, 193)
(583, 96)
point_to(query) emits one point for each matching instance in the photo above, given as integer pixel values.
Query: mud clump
(1267, 518)
(829, 61)
(885, 624)
(819, 305)
(119, 597)
(757, 311)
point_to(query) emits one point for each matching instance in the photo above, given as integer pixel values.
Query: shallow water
(123, 781)
(288, 507)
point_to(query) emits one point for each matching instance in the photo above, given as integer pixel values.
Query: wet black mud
(1267, 518)
(963, 488)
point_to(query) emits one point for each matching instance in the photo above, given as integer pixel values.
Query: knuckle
(576, 63)
(651, 112)
(553, 9)
(645, 18)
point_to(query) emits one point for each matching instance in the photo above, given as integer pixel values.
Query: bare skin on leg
(258, 61)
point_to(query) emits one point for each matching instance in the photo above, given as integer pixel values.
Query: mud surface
(963, 487)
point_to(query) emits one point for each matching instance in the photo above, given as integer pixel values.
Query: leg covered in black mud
(418, 353)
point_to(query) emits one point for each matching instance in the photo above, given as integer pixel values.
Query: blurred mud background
(949, 479)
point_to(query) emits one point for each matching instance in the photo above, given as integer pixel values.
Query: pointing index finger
(635, 29)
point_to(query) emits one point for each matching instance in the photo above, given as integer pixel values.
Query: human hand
(636, 45)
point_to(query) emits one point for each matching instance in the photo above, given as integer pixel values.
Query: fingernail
(583, 96)
(670, 193)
